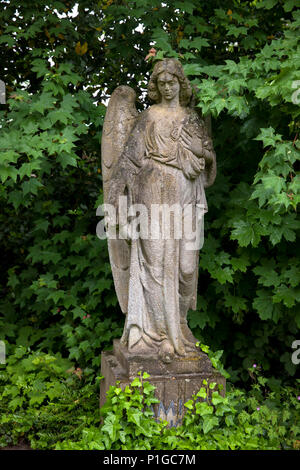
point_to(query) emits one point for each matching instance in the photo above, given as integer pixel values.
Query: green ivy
(44, 397)
(47, 401)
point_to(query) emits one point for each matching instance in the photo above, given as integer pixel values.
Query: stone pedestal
(175, 382)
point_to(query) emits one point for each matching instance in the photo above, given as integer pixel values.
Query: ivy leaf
(136, 382)
(246, 232)
(66, 159)
(237, 105)
(236, 84)
(10, 156)
(268, 4)
(42, 102)
(204, 409)
(235, 31)
(161, 39)
(261, 193)
(268, 136)
(58, 115)
(134, 416)
(236, 304)
(27, 169)
(50, 256)
(267, 274)
(6, 39)
(288, 295)
(264, 305)
(192, 69)
(56, 295)
(273, 182)
(42, 225)
(8, 171)
(288, 5)
(16, 403)
(209, 423)
(240, 264)
(31, 186)
(198, 43)
(185, 6)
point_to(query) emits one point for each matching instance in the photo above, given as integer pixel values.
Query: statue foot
(166, 352)
(133, 337)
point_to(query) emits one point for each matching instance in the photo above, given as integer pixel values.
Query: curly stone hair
(173, 67)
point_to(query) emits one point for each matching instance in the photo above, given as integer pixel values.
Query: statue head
(173, 67)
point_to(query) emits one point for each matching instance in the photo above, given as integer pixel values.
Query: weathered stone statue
(161, 159)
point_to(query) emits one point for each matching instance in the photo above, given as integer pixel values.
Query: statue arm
(210, 158)
(203, 148)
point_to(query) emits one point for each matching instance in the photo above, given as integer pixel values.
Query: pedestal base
(175, 382)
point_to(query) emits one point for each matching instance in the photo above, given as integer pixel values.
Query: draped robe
(156, 167)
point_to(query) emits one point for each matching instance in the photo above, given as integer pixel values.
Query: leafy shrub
(241, 420)
(127, 420)
(259, 419)
(51, 404)
(43, 397)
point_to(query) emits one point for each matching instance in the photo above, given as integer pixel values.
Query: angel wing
(119, 120)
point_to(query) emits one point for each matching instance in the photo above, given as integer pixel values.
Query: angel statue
(161, 157)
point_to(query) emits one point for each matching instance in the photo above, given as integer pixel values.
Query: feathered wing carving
(121, 116)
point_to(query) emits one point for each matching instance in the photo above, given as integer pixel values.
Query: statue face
(168, 85)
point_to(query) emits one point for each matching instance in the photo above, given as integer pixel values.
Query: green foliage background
(59, 69)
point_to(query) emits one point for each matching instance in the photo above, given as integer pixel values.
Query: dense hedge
(59, 68)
